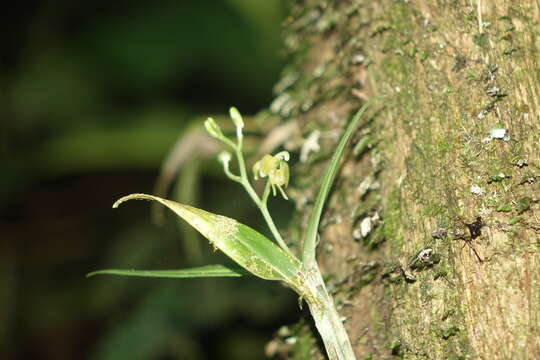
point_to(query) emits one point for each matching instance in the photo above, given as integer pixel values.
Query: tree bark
(431, 235)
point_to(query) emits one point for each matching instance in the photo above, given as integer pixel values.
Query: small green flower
(263, 167)
(277, 170)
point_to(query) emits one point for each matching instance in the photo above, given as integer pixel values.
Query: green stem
(231, 176)
(266, 193)
(230, 143)
(327, 319)
(273, 229)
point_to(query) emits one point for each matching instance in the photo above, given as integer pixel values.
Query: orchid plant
(252, 251)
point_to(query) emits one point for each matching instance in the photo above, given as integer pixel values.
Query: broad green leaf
(248, 248)
(197, 272)
(310, 243)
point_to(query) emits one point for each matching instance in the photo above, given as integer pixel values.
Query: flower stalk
(243, 179)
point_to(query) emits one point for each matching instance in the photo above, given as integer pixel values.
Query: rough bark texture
(449, 71)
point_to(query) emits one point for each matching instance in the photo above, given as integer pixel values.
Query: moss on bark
(450, 72)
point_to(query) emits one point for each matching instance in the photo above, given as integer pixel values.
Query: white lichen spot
(499, 133)
(366, 226)
(358, 59)
(319, 70)
(311, 144)
(365, 186)
(284, 331)
(484, 211)
(487, 139)
(375, 186)
(291, 340)
(477, 190)
(277, 105)
(424, 255)
(482, 114)
(376, 159)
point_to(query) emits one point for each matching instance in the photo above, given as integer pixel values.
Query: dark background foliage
(94, 95)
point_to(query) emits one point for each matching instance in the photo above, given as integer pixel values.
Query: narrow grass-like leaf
(196, 272)
(310, 237)
(248, 248)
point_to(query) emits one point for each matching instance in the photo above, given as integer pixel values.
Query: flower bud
(236, 117)
(224, 157)
(213, 128)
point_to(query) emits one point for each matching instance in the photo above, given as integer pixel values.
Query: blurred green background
(94, 95)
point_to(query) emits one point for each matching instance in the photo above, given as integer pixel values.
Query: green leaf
(504, 208)
(515, 220)
(248, 248)
(310, 243)
(196, 272)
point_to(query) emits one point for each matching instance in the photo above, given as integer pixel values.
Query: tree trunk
(431, 235)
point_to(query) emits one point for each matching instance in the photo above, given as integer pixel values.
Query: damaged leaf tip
(131, 197)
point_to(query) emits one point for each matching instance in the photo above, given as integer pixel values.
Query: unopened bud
(224, 157)
(213, 128)
(236, 117)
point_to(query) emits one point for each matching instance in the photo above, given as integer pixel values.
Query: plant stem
(266, 193)
(231, 176)
(273, 228)
(327, 319)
